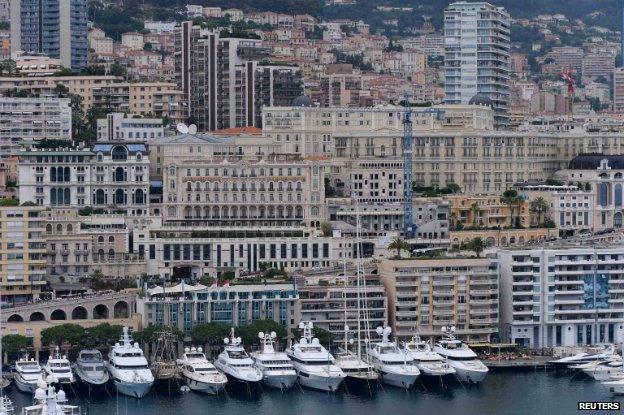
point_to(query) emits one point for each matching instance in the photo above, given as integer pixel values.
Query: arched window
(618, 195)
(53, 174)
(48, 228)
(120, 175)
(67, 175)
(100, 239)
(70, 228)
(139, 198)
(59, 228)
(111, 239)
(66, 197)
(119, 153)
(100, 197)
(120, 197)
(604, 194)
(617, 220)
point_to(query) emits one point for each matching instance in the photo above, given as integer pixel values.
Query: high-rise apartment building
(224, 83)
(57, 28)
(476, 56)
(618, 90)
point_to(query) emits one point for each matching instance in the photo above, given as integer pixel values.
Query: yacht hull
(465, 375)
(205, 387)
(323, 383)
(24, 386)
(90, 382)
(136, 390)
(280, 381)
(400, 380)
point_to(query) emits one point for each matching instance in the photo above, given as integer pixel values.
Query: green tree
(512, 200)
(453, 187)
(210, 334)
(64, 333)
(102, 336)
(326, 228)
(477, 245)
(249, 333)
(13, 343)
(400, 245)
(5, 201)
(476, 213)
(540, 206)
(117, 69)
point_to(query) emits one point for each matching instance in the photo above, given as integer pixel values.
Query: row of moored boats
(602, 364)
(306, 362)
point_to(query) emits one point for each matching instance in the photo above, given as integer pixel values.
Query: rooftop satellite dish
(226, 340)
(346, 327)
(379, 330)
(192, 129)
(273, 335)
(261, 335)
(182, 128)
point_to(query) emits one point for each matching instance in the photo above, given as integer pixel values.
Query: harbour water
(502, 393)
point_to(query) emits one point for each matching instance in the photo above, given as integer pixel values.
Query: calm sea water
(502, 393)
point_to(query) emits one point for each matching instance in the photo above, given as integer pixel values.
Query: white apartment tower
(476, 56)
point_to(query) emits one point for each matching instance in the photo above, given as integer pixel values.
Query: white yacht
(616, 387)
(314, 365)
(236, 363)
(428, 362)
(591, 355)
(199, 373)
(128, 367)
(395, 367)
(28, 373)
(90, 368)
(50, 402)
(277, 369)
(59, 368)
(460, 357)
(605, 370)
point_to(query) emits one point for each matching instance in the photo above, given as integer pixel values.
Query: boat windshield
(237, 354)
(454, 345)
(195, 355)
(310, 349)
(93, 368)
(29, 367)
(387, 349)
(90, 357)
(129, 354)
(205, 369)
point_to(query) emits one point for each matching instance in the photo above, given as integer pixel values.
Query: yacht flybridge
(28, 373)
(59, 368)
(128, 367)
(428, 362)
(315, 366)
(277, 369)
(236, 363)
(90, 368)
(395, 367)
(460, 357)
(50, 402)
(199, 373)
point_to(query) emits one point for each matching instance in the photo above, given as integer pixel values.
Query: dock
(533, 363)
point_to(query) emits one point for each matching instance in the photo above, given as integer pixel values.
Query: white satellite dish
(192, 129)
(182, 128)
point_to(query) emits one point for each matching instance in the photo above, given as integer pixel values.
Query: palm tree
(540, 206)
(476, 211)
(477, 245)
(512, 200)
(400, 245)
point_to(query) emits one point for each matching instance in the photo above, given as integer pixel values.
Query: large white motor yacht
(315, 366)
(28, 373)
(128, 367)
(59, 368)
(460, 357)
(90, 368)
(50, 402)
(199, 373)
(277, 369)
(236, 363)
(395, 367)
(428, 362)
